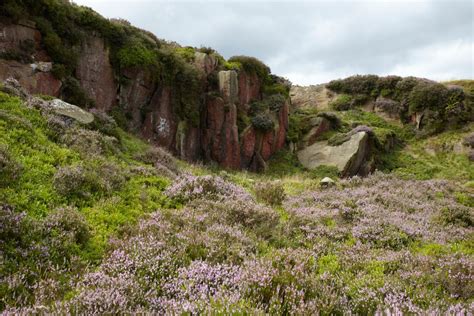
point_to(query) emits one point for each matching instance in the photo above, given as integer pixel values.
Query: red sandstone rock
(95, 73)
(34, 82)
(249, 88)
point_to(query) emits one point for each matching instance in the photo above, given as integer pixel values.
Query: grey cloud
(317, 40)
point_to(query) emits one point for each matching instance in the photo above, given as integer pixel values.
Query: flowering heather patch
(379, 245)
(188, 187)
(387, 211)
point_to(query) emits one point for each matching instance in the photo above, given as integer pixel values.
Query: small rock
(42, 66)
(327, 182)
(13, 87)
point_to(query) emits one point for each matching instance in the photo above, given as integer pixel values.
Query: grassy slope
(30, 142)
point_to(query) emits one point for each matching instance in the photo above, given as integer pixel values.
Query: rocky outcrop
(320, 125)
(153, 108)
(95, 73)
(351, 157)
(317, 96)
(32, 79)
(205, 62)
(23, 39)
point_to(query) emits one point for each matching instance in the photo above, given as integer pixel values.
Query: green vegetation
(42, 172)
(251, 65)
(342, 103)
(441, 107)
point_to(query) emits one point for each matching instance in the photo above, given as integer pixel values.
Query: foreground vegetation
(94, 221)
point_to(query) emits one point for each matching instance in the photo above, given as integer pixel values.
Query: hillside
(138, 176)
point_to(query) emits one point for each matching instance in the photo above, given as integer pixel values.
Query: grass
(30, 143)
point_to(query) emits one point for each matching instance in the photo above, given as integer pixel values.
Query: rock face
(35, 77)
(96, 74)
(350, 157)
(311, 96)
(33, 80)
(150, 105)
(319, 125)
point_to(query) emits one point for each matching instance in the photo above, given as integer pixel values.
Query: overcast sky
(313, 42)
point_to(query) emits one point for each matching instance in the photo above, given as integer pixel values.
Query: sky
(311, 42)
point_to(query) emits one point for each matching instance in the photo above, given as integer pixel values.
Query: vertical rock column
(220, 140)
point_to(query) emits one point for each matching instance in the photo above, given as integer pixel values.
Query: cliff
(191, 101)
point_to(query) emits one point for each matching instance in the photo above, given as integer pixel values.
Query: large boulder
(72, 111)
(350, 157)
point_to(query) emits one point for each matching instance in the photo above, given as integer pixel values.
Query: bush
(358, 84)
(323, 171)
(458, 216)
(299, 124)
(71, 223)
(428, 96)
(74, 94)
(9, 168)
(342, 103)
(135, 54)
(262, 122)
(252, 65)
(159, 158)
(88, 180)
(271, 193)
(188, 188)
(89, 143)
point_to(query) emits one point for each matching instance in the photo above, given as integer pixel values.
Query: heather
(95, 221)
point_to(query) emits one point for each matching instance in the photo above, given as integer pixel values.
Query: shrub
(387, 84)
(342, 103)
(260, 220)
(252, 65)
(87, 180)
(135, 54)
(271, 193)
(428, 96)
(358, 84)
(323, 171)
(188, 188)
(262, 122)
(159, 158)
(275, 102)
(71, 224)
(299, 124)
(9, 168)
(404, 87)
(458, 216)
(187, 53)
(74, 94)
(89, 143)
